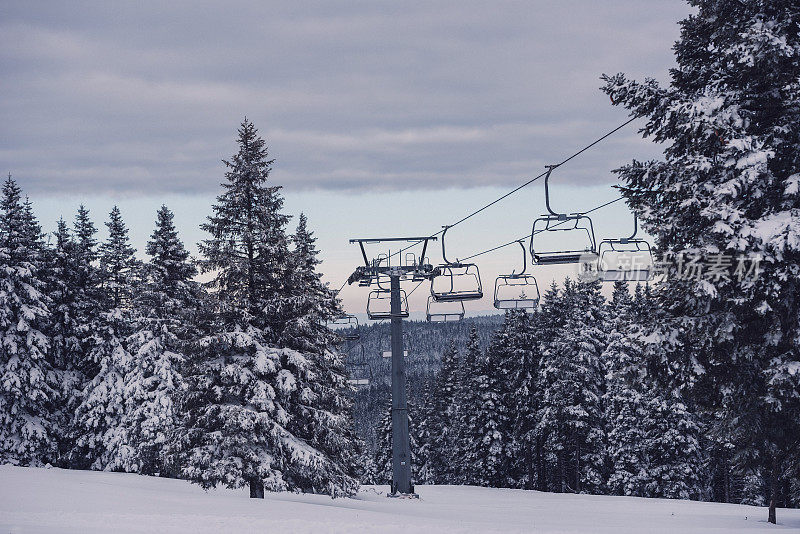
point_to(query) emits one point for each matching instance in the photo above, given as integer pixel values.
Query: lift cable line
(524, 185)
(526, 237)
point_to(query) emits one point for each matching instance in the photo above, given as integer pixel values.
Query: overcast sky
(121, 101)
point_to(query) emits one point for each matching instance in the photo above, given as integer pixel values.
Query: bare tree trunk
(256, 489)
(773, 491)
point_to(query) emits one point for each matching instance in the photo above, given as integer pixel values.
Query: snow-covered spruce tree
(166, 304)
(62, 328)
(423, 474)
(100, 440)
(729, 184)
(27, 397)
(87, 293)
(383, 450)
(624, 399)
(490, 454)
(469, 432)
(442, 424)
(570, 385)
(320, 405)
(513, 355)
(241, 387)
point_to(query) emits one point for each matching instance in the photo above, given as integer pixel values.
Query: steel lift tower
(373, 272)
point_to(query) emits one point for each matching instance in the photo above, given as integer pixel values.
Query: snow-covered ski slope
(55, 500)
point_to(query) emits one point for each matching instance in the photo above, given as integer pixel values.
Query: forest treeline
(110, 363)
(573, 398)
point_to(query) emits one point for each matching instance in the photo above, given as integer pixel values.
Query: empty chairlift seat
(561, 238)
(444, 311)
(628, 259)
(455, 281)
(360, 374)
(347, 327)
(516, 291)
(379, 304)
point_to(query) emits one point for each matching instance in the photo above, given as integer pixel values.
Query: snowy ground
(54, 500)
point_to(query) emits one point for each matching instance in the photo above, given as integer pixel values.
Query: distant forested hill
(425, 342)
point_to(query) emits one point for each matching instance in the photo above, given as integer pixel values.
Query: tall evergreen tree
(570, 384)
(442, 424)
(729, 188)
(241, 406)
(321, 404)
(166, 304)
(624, 400)
(513, 353)
(27, 396)
(100, 440)
(469, 395)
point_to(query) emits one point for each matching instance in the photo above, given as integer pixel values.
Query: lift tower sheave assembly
(365, 275)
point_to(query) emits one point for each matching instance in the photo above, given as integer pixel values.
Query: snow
(55, 500)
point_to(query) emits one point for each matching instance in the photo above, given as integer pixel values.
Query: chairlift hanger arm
(524, 259)
(547, 190)
(635, 226)
(444, 252)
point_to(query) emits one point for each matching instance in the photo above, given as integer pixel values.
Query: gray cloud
(144, 97)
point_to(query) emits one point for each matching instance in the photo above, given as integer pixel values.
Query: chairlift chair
(516, 291)
(628, 259)
(360, 374)
(349, 325)
(379, 304)
(387, 354)
(577, 224)
(455, 281)
(444, 311)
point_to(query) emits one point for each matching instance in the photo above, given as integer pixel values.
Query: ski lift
(360, 374)
(628, 259)
(444, 311)
(379, 304)
(455, 281)
(348, 324)
(387, 354)
(576, 225)
(516, 291)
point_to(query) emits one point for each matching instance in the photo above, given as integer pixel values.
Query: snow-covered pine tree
(27, 396)
(422, 454)
(442, 424)
(571, 386)
(87, 293)
(624, 399)
(60, 277)
(729, 188)
(513, 353)
(100, 440)
(166, 304)
(469, 432)
(489, 456)
(383, 450)
(241, 388)
(321, 407)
